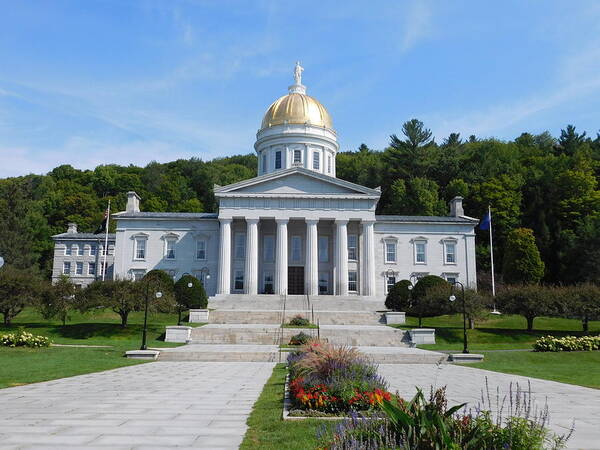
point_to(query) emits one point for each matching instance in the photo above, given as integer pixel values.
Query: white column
(341, 251)
(281, 257)
(311, 269)
(224, 257)
(251, 272)
(368, 258)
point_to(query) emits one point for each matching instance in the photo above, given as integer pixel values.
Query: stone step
(354, 335)
(403, 355)
(296, 302)
(223, 316)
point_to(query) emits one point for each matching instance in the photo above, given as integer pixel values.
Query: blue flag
(485, 222)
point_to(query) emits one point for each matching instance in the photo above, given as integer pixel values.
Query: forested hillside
(548, 184)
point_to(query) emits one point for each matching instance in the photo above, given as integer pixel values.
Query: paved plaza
(464, 384)
(206, 404)
(159, 405)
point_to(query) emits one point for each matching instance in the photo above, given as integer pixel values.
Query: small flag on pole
(102, 227)
(485, 223)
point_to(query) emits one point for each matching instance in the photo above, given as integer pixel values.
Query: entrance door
(295, 280)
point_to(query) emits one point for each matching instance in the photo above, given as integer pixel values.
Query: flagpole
(492, 255)
(106, 241)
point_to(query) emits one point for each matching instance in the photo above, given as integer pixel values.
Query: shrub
(159, 280)
(299, 321)
(398, 299)
(190, 297)
(430, 297)
(566, 344)
(299, 339)
(22, 338)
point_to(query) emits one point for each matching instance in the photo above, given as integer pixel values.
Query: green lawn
(267, 430)
(581, 368)
(496, 332)
(22, 365)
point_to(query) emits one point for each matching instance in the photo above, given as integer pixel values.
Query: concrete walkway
(155, 405)
(465, 384)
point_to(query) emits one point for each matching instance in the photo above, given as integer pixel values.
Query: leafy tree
(582, 302)
(430, 297)
(522, 262)
(18, 289)
(398, 298)
(569, 140)
(529, 301)
(191, 297)
(159, 281)
(405, 157)
(418, 196)
(452, 140)
(58, 300)
(121, 296)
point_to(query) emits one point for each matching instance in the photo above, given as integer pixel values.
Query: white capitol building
(293, 229)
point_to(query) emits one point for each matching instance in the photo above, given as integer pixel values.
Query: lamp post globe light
(1, 261)
(158, 295)
(452, 298)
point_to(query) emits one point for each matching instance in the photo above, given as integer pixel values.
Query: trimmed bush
(398, 299)
(22, 338)
(190, 297)
(299, 339)
(567, 344)
(299, 321)
(430, 297)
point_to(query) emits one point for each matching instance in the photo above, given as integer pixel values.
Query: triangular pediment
(296, 181)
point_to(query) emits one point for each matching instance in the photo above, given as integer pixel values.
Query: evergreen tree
(522, 262)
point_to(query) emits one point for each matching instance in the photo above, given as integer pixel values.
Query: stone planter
(178, 333)
(422, 335)
(462, 358)
(198, 316)
(395, 318)
(142, 354)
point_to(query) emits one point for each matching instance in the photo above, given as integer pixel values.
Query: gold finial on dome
(297, 107)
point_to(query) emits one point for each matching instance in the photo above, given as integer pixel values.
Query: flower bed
(567, 344)
(22, 338)
(333, 380)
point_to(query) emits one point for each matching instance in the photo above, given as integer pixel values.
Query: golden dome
(297, 108)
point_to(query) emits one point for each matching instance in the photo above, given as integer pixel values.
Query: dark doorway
(295, 280)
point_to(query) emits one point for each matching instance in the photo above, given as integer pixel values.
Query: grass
(23, 365)
(580, 368)
(502, 332)
(266, 428)
(310, 326)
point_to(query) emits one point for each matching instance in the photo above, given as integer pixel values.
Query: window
(91, 268)
(170, 248)
(323, 283)
(93, 249)
(352, 281)
(390, 252)
(201, 249)
(140, 248)
(268, 283)
(316, 160)
(323, 249)
(66, 268)
(137, 274)
(450, 251)
(264, 161)
(450, 277)
(269, 248)
(296, 248)
(67, 250)
(238, 284)
(390, 282)
(278, 160)
(352, 245)
(420, 252)
(104, 250)
(240, 246)
(328, 163)
(79, 268)
(297, 156)
(80, 250)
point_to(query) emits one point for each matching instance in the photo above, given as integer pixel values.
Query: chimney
(72, 228)
(456, 207)
(133, 202)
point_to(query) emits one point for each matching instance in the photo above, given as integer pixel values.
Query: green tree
(582, 302)
(18, 288)
(529, 301)
(121, 296)
(58, 300)
(522, 262)
(398, 298)
(159, 281)
(430, 297)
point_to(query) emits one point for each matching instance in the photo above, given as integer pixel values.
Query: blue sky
(128, 81)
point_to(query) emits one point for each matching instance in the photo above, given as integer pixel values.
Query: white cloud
(417, 25)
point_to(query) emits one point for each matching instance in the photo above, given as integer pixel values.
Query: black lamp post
(464, 312)
(145, 331)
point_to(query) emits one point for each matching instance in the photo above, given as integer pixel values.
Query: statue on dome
(298, 73)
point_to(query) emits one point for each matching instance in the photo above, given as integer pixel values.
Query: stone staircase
(248, 328)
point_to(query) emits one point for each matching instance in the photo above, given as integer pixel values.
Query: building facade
(296, 228)
(80, 256)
